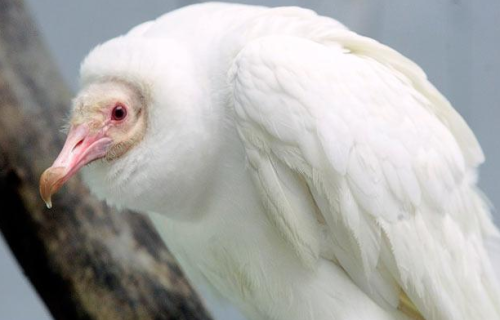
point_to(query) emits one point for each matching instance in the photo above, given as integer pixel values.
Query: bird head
(139, 129)
(109, 118)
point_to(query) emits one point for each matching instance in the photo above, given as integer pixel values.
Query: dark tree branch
(85, 261)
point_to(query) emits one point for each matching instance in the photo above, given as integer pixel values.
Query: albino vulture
(298, 169)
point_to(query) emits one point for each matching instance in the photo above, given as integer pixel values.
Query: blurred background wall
(457, 42)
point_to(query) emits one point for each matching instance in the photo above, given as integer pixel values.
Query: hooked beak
(81, 147)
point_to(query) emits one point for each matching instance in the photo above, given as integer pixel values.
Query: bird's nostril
(77, 145)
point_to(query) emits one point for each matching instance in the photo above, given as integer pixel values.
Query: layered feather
(389, 164)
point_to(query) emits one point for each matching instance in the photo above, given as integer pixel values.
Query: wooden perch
(85, 260)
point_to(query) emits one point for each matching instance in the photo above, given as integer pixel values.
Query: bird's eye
(119, 112)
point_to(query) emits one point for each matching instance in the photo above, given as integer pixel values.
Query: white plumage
(300, 170)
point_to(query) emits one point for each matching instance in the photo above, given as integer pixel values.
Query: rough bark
(85, 260)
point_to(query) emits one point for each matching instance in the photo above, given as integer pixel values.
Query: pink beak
(81, 147)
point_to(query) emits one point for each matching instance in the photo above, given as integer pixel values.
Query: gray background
(457, 42)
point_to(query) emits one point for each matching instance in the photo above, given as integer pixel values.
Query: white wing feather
(344, 133)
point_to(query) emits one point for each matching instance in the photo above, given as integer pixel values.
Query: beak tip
(49, 184)
(47, 199)
(48, 203)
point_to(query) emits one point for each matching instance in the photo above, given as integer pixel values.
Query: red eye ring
(119, 112)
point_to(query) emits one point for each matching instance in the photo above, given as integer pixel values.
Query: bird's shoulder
(382, 155)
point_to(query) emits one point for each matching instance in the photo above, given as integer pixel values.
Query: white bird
(300, 170)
